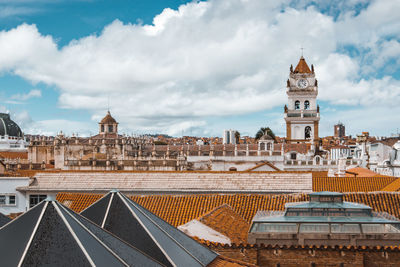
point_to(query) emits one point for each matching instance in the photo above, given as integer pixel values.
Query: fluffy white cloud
(31, 94)
(209, 59)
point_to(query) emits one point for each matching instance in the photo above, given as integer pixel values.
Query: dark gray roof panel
(121, 222)
(14, 236)
(8, 126)
(4, 219)
(128, 253)
(53, 244)
(100, 255)
(97, 212)
(197, 251)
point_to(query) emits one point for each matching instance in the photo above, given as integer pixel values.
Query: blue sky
(196, 68)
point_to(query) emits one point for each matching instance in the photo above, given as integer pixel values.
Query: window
(306, 104)
(307, 132)
(36, 199)
(297, 105)
(102, 128)
(11, 200)
(293, 156)
(7, 200)
(110, 128)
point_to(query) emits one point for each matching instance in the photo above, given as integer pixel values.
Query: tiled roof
(302, 66)
(363, 172)
(178, 182)
(108, 118)
(299, 148)
(225, 220)
(351, 184)
(13, 155)
(180, 209)
(222, 261)
(393, 186)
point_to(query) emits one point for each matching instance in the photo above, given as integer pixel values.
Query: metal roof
(52, 235)
(327, 205)
(4, 219)
(322, 219)
(144, 230)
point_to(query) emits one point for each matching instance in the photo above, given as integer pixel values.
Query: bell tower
(302, 111)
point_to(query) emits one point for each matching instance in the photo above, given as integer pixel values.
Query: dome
(9, 127)
(108, 119)
(397, 145)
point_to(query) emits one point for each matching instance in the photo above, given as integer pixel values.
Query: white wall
(8, 185)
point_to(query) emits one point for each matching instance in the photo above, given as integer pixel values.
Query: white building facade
(302, 112)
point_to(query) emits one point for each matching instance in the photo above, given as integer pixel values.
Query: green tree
(263, 131)
(237, 137)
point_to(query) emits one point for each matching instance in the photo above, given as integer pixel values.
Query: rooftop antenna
(108, 102)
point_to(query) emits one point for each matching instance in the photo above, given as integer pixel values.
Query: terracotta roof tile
(108, 118)
(351, 184)
(180, 209)
(222, 261)
(302, 66)
(226, 221)
(13, 155)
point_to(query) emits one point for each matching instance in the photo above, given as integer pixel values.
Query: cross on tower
(302, 50)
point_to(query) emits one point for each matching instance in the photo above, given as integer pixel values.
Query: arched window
(307, 132)
(297, 105)
(306, 104)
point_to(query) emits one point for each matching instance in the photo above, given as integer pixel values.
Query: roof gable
(144, 230)
(302, 66)
(4, 219)
(52, 235)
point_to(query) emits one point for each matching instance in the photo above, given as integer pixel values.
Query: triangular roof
(50, 234)
(302, 66)
(108, 119)
(139, 227)
(3, 219)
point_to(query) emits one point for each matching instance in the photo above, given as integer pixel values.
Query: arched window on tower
(306, 104)
(297, 105)
(307, 132)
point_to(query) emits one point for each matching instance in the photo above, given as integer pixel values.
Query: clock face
(302, 83)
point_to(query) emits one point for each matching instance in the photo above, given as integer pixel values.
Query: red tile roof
(302, 66)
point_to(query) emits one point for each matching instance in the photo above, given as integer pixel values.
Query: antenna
(302, 50)
(108, 102)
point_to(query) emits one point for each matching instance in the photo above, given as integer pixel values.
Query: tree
(237, 137)
(263, 131)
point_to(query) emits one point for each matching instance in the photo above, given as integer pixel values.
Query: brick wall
(304, 257)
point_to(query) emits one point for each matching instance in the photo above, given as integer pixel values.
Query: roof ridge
(158, 226)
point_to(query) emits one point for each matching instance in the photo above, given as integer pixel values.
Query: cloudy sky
(196, 67)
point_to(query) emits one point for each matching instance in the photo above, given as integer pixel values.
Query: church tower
(302, 111)
(108, 125)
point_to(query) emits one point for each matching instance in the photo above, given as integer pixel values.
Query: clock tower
(302, 111)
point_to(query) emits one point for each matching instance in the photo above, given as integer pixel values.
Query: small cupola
(108, 125)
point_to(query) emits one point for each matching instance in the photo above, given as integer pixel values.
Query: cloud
(210, 59)
(31, 94)
(10, 11)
